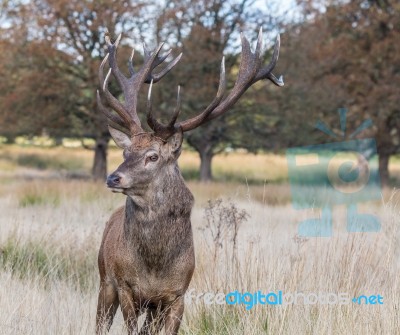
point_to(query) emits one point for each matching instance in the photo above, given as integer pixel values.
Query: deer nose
(113, 180)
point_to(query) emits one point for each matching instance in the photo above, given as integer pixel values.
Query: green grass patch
(189, 173)
(42, 162)
(38, 194)
(222, 321)
(48, 262)
(35, 198)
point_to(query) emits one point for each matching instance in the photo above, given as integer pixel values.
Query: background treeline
(333, 54)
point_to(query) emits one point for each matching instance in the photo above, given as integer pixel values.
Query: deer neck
(158, 222)
(161, 203)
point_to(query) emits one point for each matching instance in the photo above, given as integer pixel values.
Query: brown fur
(146, 259)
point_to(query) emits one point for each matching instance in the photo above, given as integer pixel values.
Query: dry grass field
(52, 220)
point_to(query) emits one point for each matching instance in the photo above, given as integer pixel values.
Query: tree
(358, 55)
(74, 31)
(33, 97)
(204, 31)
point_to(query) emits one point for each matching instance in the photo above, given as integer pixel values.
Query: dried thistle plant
(223, 221)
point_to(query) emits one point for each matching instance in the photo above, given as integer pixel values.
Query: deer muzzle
(114, 182)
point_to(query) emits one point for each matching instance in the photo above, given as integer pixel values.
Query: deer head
(150, 155)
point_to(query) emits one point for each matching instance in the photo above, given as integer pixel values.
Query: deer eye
(153, 157)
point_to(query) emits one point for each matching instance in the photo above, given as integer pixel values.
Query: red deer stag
(146, 258)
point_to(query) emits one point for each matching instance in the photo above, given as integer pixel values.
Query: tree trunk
(99, 169)
(384, 168)
(58, 141)
(10, 139)
(205, 165)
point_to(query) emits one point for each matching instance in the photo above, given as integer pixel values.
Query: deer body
(153, 260)
(146, 258)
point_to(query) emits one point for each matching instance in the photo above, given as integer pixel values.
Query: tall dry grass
(50, 230)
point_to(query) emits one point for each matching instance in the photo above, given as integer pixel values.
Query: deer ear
(175, 142)
(120, 138)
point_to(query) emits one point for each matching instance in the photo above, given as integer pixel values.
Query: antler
(127, 119)
(160, 130)
(250, 71)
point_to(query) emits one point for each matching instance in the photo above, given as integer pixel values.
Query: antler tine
(148, 54)
(250, 71)
(259, 44)
(113, 120)
(130, 63)
(112, 101)
(250, 62)
(112, 50)
(158, 76)
(177, 108)
(157, 61)
(160, 130)
(266, 73)
(199, 119)
(152, 122)
(222, 81)
(146, 51)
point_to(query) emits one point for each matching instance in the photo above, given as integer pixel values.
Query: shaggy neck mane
(163, 210)
(167, 192)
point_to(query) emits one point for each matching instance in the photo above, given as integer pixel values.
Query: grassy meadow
(52, 218)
